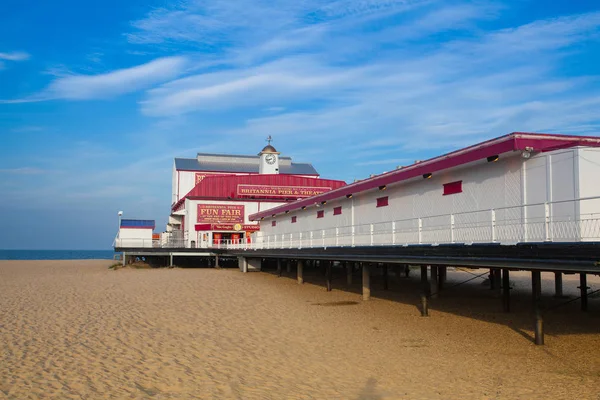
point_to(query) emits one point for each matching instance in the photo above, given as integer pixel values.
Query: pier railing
(558, 221)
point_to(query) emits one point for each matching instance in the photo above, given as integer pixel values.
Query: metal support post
(584, 291)
(385, 277)
(536, 285)
(425, 293)
(300, 272)
(506, 290)
(349, 266)
(328, 274)
(442, 274)
(434, 281)
(558, 285)
(279, 267)
(366, 282)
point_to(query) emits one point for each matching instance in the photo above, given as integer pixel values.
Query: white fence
(560, 221)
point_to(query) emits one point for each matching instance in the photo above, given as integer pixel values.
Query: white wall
(135, 237)
(503, 186)
(588, 185)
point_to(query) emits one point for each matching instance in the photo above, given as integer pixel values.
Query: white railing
(178, 243)
(558, 221)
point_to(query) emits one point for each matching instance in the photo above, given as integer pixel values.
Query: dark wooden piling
(385, 277)
(366, 281)
(425, 292)
(506, 290)
(536, 286)
(300, 272)
(328, 274)
(558, 284)
(583, 289)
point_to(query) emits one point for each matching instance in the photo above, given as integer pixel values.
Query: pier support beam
(288, 267)
(536, 286)
(349, 272)
(425, 292)
(558, 285)
(217, 266)
(583, 289)
(506, 290)
(243, 264)
(407, 270)
(366, 282)
(124, 259)
(300, 272)
(171, 260)
(328, 274)
(434, 281)
(442, 274)
(385, 277)
(279, 267)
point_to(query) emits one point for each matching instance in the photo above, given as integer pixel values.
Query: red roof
(536, 142)
(226, 187)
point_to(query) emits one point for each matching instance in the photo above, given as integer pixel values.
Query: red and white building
(214, 195)
(517, 188)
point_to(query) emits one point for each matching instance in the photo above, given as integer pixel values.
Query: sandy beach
(75, 329)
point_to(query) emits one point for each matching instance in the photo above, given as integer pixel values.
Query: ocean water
(56, 254)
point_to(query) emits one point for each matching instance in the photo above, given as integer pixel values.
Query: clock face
(270, 158)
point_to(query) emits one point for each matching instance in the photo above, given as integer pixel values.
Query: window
(320, 213)
(273, 223)
(337, 210)
(452, 188)
(293, 220)
(382, 202)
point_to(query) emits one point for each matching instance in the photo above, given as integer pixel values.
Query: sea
(56, 254)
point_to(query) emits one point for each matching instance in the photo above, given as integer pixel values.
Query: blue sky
(97, 98)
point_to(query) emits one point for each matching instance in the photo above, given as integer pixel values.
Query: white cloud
(22, 171)
(14, 56)
(114, 83)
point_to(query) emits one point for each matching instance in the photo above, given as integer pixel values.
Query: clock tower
(269, 159)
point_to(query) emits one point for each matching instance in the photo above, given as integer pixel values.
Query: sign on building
(280, 191)
(220, 214)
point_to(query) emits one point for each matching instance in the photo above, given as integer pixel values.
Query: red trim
(337, 210)
(516, 141)
(452, 188)
(320, 213)
(224, 187)
(227, 227)
(382, 202)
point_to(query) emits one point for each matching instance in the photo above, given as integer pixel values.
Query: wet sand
(75, 329)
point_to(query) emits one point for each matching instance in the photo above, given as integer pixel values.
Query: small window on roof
(452, 188)
(337, 210)
(382, 202)
(293, 220)
(320, 213)
(273, 223)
